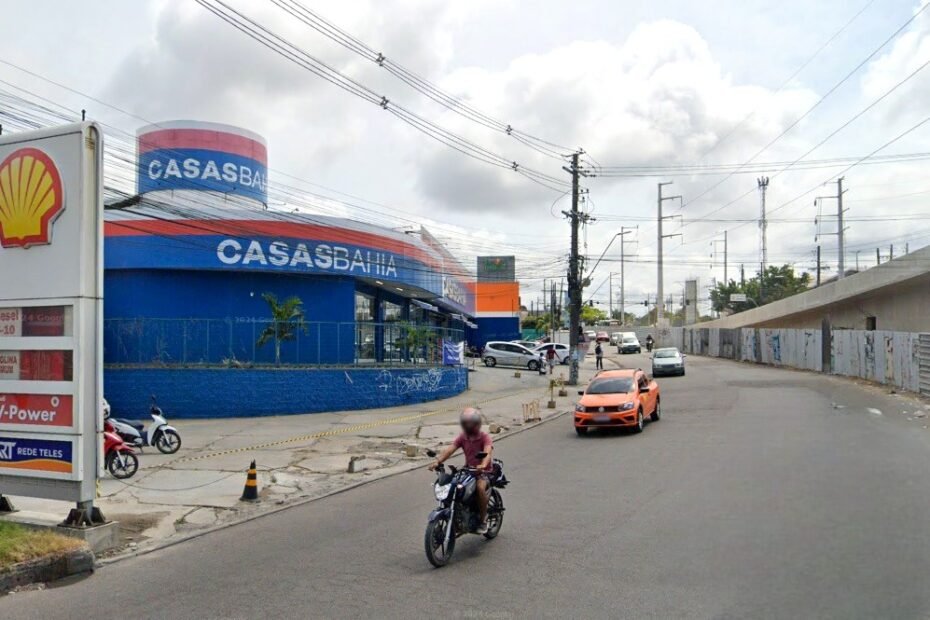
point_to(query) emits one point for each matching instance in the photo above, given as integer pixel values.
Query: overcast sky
(633, 83)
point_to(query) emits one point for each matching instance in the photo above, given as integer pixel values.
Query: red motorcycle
(119, 457)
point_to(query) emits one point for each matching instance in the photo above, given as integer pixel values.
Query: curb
(46, 569)
(297, 503)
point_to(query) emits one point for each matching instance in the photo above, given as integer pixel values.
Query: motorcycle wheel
(125, 469)
(168, 442)
(495, 515)
(437, 552)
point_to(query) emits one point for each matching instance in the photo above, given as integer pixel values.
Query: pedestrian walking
(599, 356)
(550, 359)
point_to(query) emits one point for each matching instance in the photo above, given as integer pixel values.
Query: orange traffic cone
(250, 492)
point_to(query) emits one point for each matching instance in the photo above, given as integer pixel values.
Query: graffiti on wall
(882, 356)
(424, 382)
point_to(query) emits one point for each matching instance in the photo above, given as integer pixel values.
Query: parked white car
(509, 354)
(562, 352)
(615, 338)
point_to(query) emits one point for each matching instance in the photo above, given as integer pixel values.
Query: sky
(663, 83)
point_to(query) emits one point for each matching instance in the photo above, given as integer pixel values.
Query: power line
(319, 68)
(418, 83)
(817, 104)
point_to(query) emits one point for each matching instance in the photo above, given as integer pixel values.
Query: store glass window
(393, 312)
(364, 307)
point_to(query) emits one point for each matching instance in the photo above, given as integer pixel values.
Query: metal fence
(246, 342)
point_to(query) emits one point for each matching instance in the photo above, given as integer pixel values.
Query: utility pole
(857, 261)
(660, 293)
(763, 183)
(574, 273)
(713, 244)
(840, 235)
(742, 275)
(878, 257)
(818, 265)
(623, 230)
(891, 252)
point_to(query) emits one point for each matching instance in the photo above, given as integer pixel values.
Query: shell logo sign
(31, 198)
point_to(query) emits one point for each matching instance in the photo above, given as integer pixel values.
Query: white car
(562, 354)
(591, 335)
(509, 354)
(615, 338)
(629, 344)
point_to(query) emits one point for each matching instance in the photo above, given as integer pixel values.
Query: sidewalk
(298, 457)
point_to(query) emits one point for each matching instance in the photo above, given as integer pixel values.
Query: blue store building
(195, 265)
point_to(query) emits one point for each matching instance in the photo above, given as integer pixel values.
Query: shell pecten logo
(31, 198)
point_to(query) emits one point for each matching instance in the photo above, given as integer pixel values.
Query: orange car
(617, 399)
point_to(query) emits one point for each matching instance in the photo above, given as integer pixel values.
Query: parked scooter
(159, 434)
(119, 458)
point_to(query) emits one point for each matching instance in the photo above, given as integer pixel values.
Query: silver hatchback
(509, 354)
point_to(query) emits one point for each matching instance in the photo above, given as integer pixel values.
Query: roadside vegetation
(19, 544)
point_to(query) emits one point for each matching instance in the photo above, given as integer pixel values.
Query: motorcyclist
(649, 342)
(472, 440)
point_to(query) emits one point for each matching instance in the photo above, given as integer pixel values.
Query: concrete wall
(896, 293)
(881, 356)
(223, 393)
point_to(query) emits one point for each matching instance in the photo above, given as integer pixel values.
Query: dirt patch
(131, 526)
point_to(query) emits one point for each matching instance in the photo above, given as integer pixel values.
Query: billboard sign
(191, 155)
(738, 298)
(51, 302)
(497, 269)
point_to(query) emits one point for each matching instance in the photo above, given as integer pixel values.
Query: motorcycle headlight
(580, 408)
(626, 406)
(442, 491)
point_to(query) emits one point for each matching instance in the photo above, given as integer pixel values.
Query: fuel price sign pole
(51, 311)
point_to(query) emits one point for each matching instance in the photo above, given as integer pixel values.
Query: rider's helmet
(470, 420)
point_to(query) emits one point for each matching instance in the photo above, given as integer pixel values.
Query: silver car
(668, 361)
(509, 354)
(562, 353)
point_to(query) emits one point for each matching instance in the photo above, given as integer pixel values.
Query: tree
(777, 283)
(287, 318)
(591, 315)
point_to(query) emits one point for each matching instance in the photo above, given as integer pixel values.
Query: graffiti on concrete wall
(424, 382)
(881, 356)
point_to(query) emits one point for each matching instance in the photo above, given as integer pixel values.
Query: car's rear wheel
(490, 362)
(533, 365)
(581, 431)
(657, 414)
(639, 421)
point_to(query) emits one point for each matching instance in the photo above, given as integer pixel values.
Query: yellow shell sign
(30, 198)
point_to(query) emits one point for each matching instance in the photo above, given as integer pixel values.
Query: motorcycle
(119, 458)
(649, 344)
(457, 513)
(159, 434)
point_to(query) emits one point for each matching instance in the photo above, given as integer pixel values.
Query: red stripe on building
(209, 139)
(267, 228)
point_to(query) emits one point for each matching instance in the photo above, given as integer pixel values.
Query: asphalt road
(760, 494)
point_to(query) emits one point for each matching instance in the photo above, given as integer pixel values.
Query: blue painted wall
(496, 328)
(234, 301)
(220, 393)
(131, 293)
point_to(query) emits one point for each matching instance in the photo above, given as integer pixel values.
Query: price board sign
(51, 302)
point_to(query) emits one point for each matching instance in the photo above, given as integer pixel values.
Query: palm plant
(287, 318)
